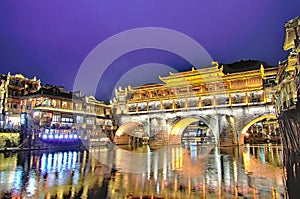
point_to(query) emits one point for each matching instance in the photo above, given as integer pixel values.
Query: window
(237, 99)
(180, 104)
(222, 100)
(79, 119)
(121, 99)
(89, 121)
(78, 106)
(107, 111)
(102, 111)
(193, 103)
(56, 118)
(132, 108)
(64, 104)
(67, 119)
(167, 105)
(99, 121)
(108, 122)
(206, 102)
(142, 107)
(54, 103)
(255, 97)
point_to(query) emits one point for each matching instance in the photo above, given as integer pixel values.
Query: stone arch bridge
(228, 124)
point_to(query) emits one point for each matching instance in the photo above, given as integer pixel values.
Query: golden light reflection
(187, 179)
(179, 127)
(267, 116)
(256, 166)
(7, 162)
(128, 127)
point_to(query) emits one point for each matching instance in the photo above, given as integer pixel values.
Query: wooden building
(199, 88)
(53, 107)
(12, 88)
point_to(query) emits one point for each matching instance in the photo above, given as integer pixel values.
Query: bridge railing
(207, 103)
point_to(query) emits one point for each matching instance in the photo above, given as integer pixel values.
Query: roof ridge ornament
(262, 71)
(221, 71)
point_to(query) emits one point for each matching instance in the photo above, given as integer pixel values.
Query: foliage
(9, 140)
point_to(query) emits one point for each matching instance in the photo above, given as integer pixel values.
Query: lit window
(79, 119)
(64, 104)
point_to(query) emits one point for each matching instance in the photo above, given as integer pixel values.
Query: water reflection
(176, 172)
(292, 172)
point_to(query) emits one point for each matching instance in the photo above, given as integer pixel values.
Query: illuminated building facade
(288, 72)
(288, 94)
(53, 107)
(12, 88)
(288, 107)
(208, 87)
(213, 93)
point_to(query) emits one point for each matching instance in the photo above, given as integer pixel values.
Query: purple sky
(50, 39)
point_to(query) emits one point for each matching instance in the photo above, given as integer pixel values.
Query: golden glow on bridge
(127, 128)
(179, 127)
(203, 92)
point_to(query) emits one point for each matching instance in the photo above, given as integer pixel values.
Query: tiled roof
(54, 91)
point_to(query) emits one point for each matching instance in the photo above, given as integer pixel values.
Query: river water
(189, 171)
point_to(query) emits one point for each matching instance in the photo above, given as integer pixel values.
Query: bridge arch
(178, 128)
(247, 126)
(124, 131)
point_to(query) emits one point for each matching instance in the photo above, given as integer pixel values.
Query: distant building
(12, 88)
(53, 107)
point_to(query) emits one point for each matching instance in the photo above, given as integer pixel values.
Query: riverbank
(44, 146)
(17, 149)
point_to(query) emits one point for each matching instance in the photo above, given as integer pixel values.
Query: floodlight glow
(75, 136)
(71, 136)
(36, 113)
(56, 136)
(61, 137)
(50, 136)
(45, 136)
(66, 136)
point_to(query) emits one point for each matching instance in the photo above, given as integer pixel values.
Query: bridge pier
(228, 132)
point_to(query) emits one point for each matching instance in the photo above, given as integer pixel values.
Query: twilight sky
(51, 39)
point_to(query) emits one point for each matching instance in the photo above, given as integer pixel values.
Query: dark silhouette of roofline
(244, 65)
